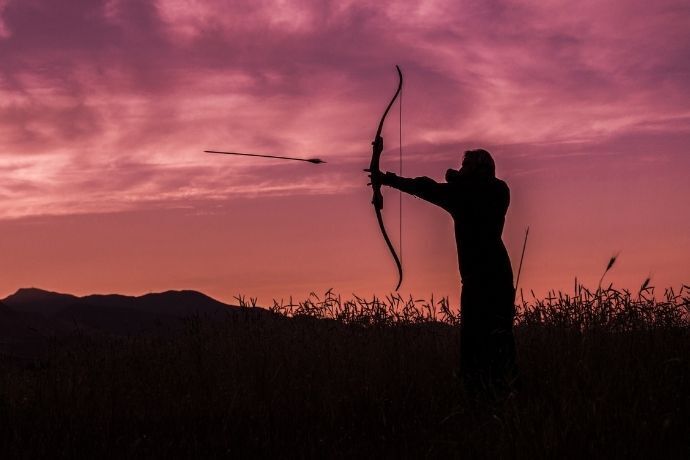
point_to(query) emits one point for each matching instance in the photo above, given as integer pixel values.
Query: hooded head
(476, 164)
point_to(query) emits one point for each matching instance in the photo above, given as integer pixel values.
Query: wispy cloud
(112, 101)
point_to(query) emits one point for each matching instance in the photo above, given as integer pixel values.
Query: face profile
(478, 163)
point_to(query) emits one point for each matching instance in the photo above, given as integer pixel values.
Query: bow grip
(377, 199)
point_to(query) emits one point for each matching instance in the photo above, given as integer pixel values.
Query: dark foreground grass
(603, 374)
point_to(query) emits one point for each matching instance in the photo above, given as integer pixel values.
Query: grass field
(604, 373)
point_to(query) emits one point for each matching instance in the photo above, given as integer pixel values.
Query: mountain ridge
(34, 312)
(50, 302)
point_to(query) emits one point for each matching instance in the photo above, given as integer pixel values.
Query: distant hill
(38, 301)
(174, 303)
(32, 312)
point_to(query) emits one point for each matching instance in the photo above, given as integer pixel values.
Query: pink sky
(107, 105)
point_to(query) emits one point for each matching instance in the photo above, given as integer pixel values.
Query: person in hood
(477, 201)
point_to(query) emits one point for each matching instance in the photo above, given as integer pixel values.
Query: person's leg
(502, 341)
(474, 341)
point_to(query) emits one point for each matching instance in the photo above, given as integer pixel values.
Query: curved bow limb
(377, 199)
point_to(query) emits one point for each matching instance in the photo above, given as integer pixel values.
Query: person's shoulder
(500, 184)
(500, 189)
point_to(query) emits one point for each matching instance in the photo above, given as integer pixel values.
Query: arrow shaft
(309, 160)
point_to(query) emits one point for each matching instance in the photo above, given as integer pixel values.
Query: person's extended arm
(422, 187)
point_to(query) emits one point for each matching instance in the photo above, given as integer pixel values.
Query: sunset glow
(106, 107)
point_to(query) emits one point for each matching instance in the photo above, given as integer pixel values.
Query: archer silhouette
(478, 202)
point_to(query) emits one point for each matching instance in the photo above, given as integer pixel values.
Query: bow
(377, 199)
